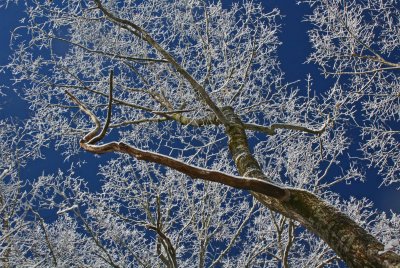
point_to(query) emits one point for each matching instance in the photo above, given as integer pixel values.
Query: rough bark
(349, 240)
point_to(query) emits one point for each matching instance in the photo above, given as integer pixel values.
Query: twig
(173, 112)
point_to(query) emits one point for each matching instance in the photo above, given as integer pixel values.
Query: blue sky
(292, 52)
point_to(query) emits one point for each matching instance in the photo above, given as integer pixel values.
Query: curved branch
(87, 111)
(168, 246)
(108, 120)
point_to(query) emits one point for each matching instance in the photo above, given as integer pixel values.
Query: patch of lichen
(239, 147)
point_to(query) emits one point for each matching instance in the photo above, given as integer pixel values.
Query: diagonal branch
(246, 74)
(168, 246)
(235, 236)
(46, 235)
(4, 174)
(84, 87)
(118, 56)
(244, 183)
(138, 31)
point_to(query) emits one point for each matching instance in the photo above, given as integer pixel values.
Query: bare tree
(197, 90)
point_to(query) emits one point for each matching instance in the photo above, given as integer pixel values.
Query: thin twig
(364, 72)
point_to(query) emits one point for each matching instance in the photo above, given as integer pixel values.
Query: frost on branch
(358, 42)
(176, 66)
(391, 245)
(62, 211)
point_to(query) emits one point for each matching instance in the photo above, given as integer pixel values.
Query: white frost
(66, 209)
(390, 246)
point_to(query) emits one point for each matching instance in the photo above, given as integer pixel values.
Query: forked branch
(109, 112)
(251, 184)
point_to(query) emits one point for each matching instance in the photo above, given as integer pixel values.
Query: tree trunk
(350, 242)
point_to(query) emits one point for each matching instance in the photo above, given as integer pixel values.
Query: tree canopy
(215, 159)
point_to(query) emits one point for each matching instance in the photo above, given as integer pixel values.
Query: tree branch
(138, 31)
(271, 129)
(257, 185)
(289, 244)
(251, 184)
(87, 111)
(168, 246)
(46, 236)
(139, 121)
(365, 72)
(109, 111)
(118, 56)
(104, 94)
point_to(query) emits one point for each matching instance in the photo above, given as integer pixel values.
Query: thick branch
(349, 240)
(87, 111)
(195, 122)
(245, 183)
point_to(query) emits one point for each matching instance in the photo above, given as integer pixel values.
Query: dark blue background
(292, 52)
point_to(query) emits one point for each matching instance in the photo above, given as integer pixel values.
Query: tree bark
(349, 240)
